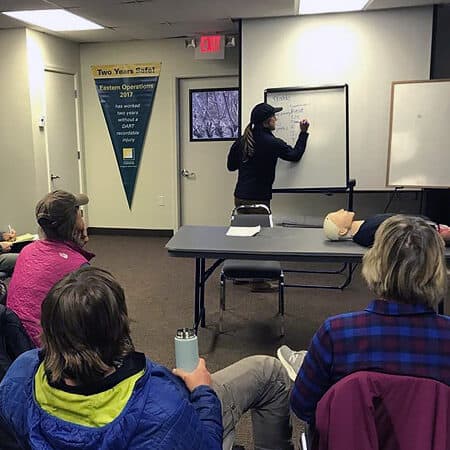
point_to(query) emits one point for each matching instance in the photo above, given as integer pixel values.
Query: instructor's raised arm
(294, 154)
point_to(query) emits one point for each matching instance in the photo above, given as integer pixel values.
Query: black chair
(251, 270)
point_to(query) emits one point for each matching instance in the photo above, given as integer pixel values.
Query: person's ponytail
(248, 143)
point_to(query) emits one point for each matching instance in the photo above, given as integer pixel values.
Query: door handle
(54, 177)
(185, 173)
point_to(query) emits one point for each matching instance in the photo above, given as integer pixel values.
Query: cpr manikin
(340, 225)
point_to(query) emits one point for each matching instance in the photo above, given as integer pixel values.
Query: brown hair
(57, 214)
(406, 262)
(248, 143)
(85, 326)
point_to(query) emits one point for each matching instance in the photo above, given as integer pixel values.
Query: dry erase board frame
(344, 87)
(399, 117)
(191, 114)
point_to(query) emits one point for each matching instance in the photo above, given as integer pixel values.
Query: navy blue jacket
(257, 174)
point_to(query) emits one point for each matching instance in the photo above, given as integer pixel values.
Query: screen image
(214, 114)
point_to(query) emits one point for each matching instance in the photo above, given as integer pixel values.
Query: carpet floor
(160, 289)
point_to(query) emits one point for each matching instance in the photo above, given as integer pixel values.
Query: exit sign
(210, 47)
(210, 44)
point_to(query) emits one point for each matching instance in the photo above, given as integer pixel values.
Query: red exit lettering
(210, 44)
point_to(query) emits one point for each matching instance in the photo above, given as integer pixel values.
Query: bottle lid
(185, 333)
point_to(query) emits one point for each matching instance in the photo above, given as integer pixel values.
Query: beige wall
(157, 175)
(17, 166)
(24, 177)
(46, 52)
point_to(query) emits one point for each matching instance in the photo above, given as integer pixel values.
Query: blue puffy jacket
(161, 414)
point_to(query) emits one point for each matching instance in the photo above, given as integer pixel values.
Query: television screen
(214, 114)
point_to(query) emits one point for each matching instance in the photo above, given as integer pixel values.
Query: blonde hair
(406, 262)
(331, 230)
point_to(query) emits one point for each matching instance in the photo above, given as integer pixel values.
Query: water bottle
(186, 349)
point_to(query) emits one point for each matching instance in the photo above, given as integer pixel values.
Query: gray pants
(7, 262)
(262, 385)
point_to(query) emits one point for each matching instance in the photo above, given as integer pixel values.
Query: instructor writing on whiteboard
(255, 156)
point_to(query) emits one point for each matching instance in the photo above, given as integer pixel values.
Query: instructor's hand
(199, 377)
(304, 125)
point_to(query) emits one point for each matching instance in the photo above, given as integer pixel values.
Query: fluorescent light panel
(330, 6)
(54, 19)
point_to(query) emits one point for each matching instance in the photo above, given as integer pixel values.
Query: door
(206, 186)
(61, 131)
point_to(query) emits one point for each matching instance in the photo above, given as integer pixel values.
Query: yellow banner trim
(126, 70)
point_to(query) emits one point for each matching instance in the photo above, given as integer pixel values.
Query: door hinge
(75, 92)
(79, 154)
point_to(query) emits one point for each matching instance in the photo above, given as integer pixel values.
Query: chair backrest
(242, 216)
(370, 410)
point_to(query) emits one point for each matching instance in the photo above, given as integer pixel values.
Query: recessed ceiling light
(54, 19)
(330, 6)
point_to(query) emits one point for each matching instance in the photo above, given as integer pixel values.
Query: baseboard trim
(129, 232)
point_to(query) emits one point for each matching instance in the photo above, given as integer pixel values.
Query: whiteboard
(366, 50)
(325, 161)
(419, 149)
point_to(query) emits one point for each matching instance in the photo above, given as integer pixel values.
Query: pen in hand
(304, 125)
(11, 235)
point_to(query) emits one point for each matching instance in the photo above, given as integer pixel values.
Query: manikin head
(337, 225)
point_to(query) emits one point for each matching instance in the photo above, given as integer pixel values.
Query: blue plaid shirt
(387, 337)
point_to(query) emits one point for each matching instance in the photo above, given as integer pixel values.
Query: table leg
(202, 292)
(197, 294)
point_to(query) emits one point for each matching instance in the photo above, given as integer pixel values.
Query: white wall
(17, 177)
(366, 50)
(157, 174)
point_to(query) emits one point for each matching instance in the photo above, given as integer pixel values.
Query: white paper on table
(243, 231)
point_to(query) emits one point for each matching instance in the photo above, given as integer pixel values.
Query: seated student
(340, 225)
(42, 263)
(89, 389)
(7, 259)
(398, 333)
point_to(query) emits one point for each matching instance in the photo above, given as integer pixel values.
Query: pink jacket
(376, 411)
(39, 266)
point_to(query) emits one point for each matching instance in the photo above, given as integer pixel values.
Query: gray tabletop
(278, 243)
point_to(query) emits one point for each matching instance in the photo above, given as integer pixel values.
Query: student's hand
(304, 125)
(199, 377)
(5, 246)
(9, 236)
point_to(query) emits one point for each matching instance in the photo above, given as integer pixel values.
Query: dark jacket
(13, 341)
(257, 174)
(371, 411)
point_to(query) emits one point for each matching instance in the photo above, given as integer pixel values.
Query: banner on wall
(126, 93)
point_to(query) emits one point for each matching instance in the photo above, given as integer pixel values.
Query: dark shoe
(237, 282)
(265, 286)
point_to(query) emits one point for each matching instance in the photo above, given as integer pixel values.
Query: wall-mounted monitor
(214, 114)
